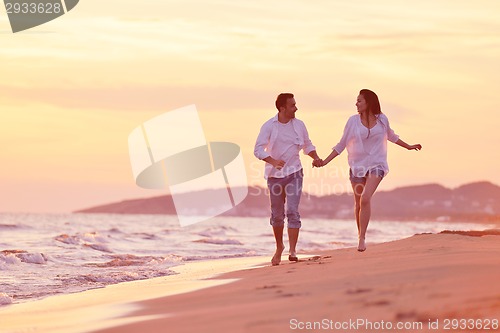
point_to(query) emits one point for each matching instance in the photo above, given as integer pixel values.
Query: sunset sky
(73, 89)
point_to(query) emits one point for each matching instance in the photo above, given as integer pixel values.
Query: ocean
(48, 254)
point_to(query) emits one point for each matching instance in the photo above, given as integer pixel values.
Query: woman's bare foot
(361, 245)
(276, 260)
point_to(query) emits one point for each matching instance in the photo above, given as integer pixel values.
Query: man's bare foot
(361, 245)
(276, 260)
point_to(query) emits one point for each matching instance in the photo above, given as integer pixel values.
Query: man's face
(290, 108)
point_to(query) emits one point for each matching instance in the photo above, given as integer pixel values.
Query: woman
(365, 137)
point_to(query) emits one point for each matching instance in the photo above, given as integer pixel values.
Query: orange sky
(73, 89)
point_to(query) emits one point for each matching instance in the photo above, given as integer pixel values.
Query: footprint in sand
(358, 291)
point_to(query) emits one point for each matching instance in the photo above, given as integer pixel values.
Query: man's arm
(261, 145)
(309, 148)
(262, 142)
(317, 160)
(278, 164)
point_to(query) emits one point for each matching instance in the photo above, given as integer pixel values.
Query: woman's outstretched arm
(339, 148)
(407, 146)
(330, 157)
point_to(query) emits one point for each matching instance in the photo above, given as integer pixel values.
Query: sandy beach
(425, 283)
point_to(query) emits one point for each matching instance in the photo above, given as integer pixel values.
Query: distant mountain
(471, 202)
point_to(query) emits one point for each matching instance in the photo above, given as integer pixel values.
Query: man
(279, 142)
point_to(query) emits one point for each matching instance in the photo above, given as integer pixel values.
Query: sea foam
(5, 299)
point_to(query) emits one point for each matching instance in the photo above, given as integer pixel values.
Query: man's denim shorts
(361, 180)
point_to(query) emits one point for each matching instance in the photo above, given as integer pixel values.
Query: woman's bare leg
(372, 182)
(357, 189)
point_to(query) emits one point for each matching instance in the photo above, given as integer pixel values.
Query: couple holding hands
(282, 137)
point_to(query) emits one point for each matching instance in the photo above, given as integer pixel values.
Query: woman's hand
(415, 147)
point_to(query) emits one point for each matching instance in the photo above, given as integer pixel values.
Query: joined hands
(318, 163)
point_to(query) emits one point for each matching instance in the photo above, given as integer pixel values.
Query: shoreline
(99, 308)
(413, 279)
(446, 225)
(107, 254)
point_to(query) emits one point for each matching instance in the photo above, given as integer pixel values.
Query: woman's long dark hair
(373, 105)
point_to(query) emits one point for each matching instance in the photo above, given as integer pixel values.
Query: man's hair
(281, 100)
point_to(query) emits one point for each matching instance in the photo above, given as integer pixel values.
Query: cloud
(161, 98)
